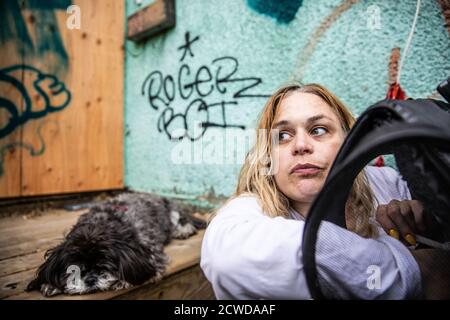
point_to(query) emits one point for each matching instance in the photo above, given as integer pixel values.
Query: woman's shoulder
(243, 206)
(245, 203)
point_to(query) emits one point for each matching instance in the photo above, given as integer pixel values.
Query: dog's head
(98, 254)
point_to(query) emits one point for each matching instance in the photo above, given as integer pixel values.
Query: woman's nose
(301, 145)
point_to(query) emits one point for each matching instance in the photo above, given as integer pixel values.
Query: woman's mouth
(306, 169)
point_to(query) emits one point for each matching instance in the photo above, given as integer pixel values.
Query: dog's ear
(52, 271)
(138, 264)
(35, 284)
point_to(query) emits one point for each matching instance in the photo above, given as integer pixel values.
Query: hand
(404, 218)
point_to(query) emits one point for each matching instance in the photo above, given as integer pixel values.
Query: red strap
(396, 92)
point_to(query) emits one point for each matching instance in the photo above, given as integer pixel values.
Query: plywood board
(73, 125)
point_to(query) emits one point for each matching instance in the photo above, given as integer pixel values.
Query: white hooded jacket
(247, 255)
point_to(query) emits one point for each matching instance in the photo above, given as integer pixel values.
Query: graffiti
(219, 77)
(187, 46)
(283, 11)
(45, 86)
(13, 145)
(46, 95)
(46, 31)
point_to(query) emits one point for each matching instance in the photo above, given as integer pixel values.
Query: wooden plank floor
(23, 243)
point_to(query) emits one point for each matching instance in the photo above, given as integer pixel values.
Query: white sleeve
(247, 255)
(387, 184)
(350, 266)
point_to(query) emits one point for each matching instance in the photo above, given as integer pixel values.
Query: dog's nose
(90, 281)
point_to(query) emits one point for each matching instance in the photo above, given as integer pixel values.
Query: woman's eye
(283, 136)
(318, 131)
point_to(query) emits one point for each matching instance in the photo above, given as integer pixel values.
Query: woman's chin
(308, 189)
(304, 196)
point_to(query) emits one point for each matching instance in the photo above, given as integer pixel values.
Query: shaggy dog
(116, 244)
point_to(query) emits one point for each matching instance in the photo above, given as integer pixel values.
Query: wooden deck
(23, 243)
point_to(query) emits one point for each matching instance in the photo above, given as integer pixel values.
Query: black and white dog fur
(116, 244)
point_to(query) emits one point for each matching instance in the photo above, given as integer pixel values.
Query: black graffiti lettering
(199, 81)
(155, 79)
(195, 120)
(165, 120)
(225, 79)
(253, 83)
(161, 89)
(228, 78)
(219, 77)
(181, 87)
(169, 84)
(201, 108)
(224, 124)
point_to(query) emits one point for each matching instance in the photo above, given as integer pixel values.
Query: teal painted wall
(339, 44)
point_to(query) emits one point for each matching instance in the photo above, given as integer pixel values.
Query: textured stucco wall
(339, 44)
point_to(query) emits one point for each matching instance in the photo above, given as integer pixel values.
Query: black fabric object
(417, 132)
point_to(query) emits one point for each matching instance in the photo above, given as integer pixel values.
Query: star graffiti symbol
(186, 47)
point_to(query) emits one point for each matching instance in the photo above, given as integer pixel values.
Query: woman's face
(310, 135)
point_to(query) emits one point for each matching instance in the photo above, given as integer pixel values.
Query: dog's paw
(157, 277)
(49, 290)
(119, 285)
(182, 228)
(184, 231)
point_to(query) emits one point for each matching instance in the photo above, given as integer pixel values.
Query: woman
(252, 246)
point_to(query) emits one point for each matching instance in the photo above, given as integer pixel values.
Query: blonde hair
(253, 177)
